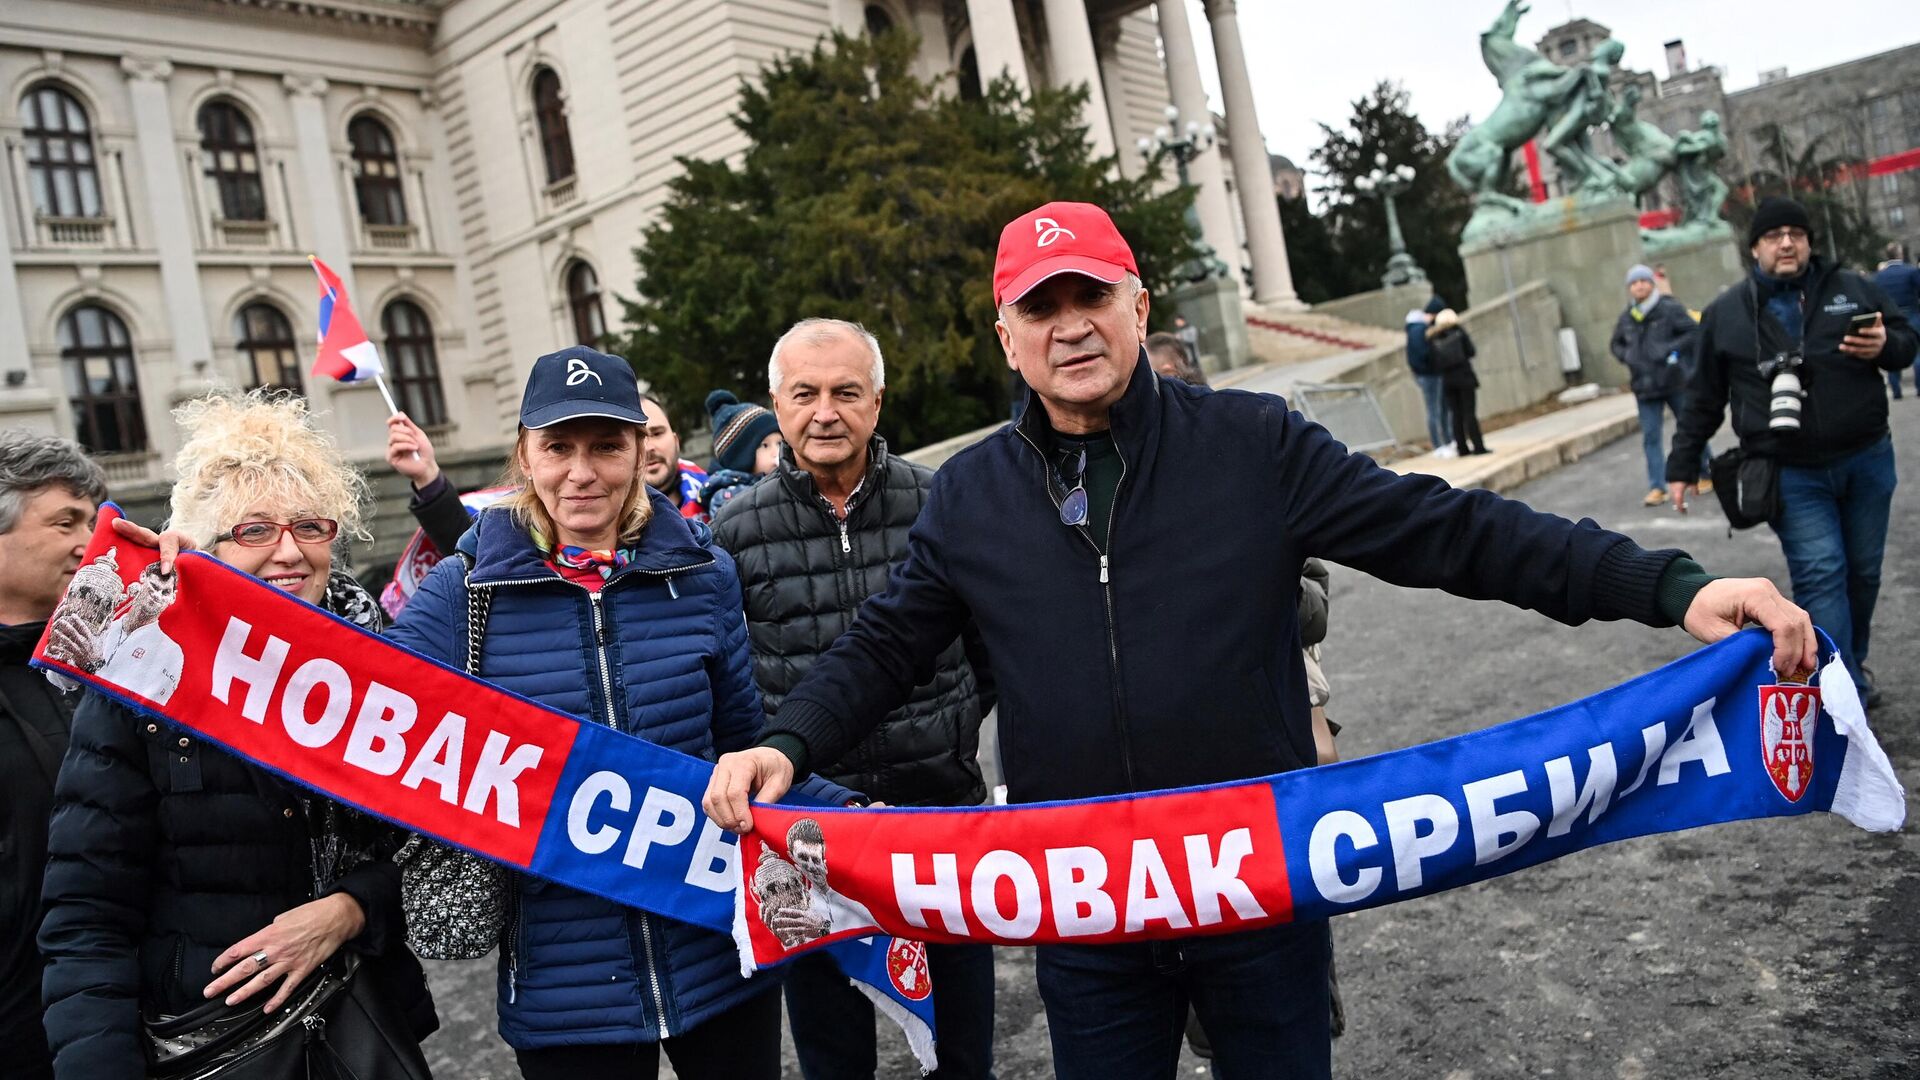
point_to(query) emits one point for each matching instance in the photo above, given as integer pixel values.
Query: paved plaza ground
(1782, 948)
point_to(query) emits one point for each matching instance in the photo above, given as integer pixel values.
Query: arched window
(583, 298)
(233, 161)
(969, 76)
(266, 340)
(550, 112)
(96, 356)
(60, 161)
(416, 369)
(878, 21)
(376, 172)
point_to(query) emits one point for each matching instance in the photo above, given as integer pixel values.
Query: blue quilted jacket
(661, 652)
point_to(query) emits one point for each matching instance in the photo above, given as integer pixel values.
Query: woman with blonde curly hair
(184, 882)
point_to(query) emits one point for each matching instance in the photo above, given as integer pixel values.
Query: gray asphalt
(1780, 949)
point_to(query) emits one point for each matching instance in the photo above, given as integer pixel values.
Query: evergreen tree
(867, 194)
(1432, 212)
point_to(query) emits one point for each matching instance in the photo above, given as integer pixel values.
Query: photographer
(1799, 351)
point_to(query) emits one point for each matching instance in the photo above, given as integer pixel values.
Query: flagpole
(392, 409)
(386, 393)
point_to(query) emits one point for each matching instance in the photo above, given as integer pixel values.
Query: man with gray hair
(811, 541)
(49, 492)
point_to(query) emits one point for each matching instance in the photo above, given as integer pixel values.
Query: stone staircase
(1295, 337)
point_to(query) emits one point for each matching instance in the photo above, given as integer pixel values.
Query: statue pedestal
(1699, 270)
(1212, 307)
(1582, 250)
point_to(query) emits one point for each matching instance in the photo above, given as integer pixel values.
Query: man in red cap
(1055, 535)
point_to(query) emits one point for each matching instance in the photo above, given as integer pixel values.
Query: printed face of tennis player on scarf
(1075, 340)
(582, 470)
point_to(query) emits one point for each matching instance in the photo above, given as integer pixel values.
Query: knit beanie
(1640, 272)
(1436, 304)
(738, 430)
(1775, 211)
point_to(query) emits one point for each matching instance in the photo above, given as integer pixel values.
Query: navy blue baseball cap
(578, 382)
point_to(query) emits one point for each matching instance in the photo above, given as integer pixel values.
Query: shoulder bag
(456, 902)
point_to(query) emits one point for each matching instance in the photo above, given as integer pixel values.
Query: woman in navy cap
(593, 595)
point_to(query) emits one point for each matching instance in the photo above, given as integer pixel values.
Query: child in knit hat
(746, 446)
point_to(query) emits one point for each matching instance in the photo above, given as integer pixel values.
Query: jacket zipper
(606, 691)
(1106, 596)
(513, 951)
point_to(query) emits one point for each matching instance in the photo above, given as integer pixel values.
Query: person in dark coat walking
(49, 491)
(1055, 536)
(1783, 358)
(1655, 338)
(1420, 360)
(1900, 280)
(1451, 351)
(812, 542)
(177, 871)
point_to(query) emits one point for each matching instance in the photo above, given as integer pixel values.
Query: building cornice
(413, 19)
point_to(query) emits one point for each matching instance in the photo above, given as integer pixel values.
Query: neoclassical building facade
(478, 171)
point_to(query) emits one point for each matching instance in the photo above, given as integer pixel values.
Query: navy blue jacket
(1174, 657)
(1900, 280)
(1419, 357)
(576, 968)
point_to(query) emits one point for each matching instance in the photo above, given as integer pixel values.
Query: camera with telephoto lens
(1783, 373)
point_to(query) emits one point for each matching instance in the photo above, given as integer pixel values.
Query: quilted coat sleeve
(99, 879)
(434, 622)
(737, 712)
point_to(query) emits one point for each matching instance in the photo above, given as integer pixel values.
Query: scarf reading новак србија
(1703, 740)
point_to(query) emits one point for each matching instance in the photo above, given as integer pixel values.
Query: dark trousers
(1117, 1012)
(833, 1022)
(1466, 426)
(742, 1043)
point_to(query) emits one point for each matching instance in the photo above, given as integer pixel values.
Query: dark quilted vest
(803, 582)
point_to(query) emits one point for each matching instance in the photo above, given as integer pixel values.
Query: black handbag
(335, 1026)
(1748, 486)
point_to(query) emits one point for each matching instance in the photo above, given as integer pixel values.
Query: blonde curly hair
(242, 449)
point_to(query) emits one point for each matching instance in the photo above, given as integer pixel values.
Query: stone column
(1272, 278)
(996, 41)
(1183, 78)
(170, 221)
(1070, 46)
(1106, 47)
(330, 231)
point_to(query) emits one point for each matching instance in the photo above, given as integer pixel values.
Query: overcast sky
(1311, 59)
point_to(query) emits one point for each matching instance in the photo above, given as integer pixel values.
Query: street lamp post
(1183, 145)
(1384, 183)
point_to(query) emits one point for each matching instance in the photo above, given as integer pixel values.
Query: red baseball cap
(1059, 238)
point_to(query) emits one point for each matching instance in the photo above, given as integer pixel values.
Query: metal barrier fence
(1348, 410)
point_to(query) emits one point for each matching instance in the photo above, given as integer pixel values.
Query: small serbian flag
(345, 353)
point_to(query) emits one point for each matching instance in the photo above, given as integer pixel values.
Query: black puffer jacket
(805, 574)
(163, 852)
(34, 718)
